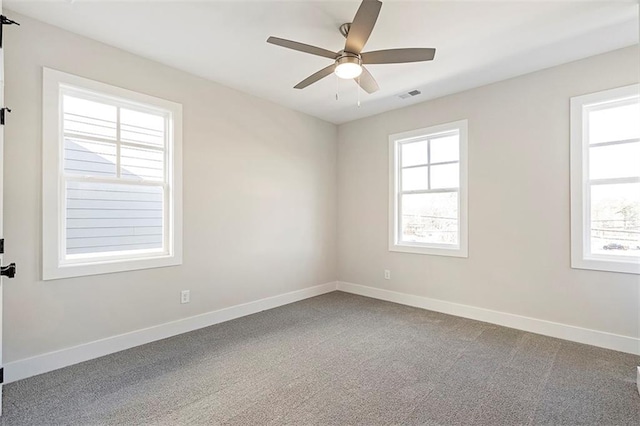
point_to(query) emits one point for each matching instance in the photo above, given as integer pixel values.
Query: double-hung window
(111, 178)
(605, 180)
(428, 190)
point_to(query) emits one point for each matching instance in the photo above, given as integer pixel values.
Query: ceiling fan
(349, 62)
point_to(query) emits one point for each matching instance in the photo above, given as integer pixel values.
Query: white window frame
(54, 265)
(395, 140)
(581, 257)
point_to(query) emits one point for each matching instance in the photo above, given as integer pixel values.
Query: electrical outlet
(185, 296)
(387, 274)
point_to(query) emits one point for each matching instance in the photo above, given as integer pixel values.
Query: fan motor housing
(348, 58)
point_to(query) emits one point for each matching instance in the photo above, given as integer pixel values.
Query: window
(111, 179)
(428, 190)
(605, 180)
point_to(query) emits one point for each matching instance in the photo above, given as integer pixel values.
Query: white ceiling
(478, 42)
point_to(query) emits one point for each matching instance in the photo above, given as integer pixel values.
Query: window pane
(430, 218)
(415, 178)
(140, 127)
(105, 218)
(89, 158)
(88, 118)
(414, 153)
(445, 149)
(614, 124)
(614, 161)
(445, 176)
(141, 164)
(615, 219)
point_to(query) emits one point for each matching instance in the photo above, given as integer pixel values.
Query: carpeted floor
(339, 359)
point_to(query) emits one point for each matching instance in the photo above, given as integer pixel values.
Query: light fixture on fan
(348, 67)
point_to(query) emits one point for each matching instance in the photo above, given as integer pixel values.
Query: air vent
(409, 94)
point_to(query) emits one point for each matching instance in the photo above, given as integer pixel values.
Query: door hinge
(3, 112)
(5, 21)
(1, 375)
(8, 271)
(1, 245)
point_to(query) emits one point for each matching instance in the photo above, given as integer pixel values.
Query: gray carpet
(339, 359)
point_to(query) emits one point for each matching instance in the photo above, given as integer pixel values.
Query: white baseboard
(562, 331)
(39, 364)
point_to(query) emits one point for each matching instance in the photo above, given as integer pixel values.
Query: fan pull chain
(358, 89)
(337, 86)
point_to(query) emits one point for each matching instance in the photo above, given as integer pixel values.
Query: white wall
(259, 200)
(519, 239)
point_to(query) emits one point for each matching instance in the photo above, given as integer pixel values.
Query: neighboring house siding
(105, 217)
(108, 217)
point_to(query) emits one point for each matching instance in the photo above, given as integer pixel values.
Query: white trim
(548, 328)
(53, 267)
(460, 250)
(2, 160)
(580, 205)
(23, 368)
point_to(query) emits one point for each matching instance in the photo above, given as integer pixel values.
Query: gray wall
(259, 200)
(262, 186)
(519, 238)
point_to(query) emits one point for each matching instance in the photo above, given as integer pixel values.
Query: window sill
(109, 266)
(429, 250)
(621, 266)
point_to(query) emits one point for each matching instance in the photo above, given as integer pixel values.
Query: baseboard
(21, 369)
(548, 328)
(39, 364)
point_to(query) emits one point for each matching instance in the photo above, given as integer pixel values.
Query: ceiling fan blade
(362, 25)
(315, 77)
(367, 82)
(398, 56)
(301, 47)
